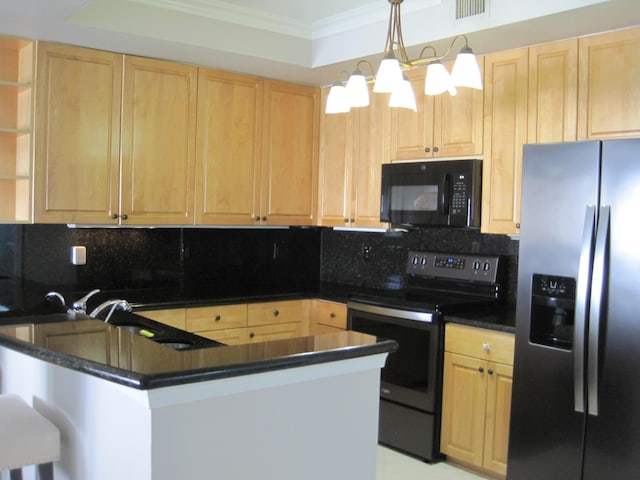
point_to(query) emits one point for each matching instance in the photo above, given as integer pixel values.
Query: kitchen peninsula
(131, 408)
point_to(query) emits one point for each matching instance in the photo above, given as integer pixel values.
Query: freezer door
(560, 191)
(613, 436)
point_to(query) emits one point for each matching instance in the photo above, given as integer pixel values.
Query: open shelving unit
(16, 120)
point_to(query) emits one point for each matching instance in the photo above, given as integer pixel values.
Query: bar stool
(26, 438)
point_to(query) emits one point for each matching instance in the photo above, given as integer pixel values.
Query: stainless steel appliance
(575, 391)
(411, 381)
(432, 193)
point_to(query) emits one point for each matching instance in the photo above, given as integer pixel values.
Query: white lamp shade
(437, 79)
(337, 100)
(403, 96)
(357, 90)
(389, 74)
(466, 72)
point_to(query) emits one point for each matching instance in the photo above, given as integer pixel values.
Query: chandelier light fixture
(390, 77)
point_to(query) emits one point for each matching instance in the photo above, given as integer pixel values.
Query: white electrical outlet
(79, 255)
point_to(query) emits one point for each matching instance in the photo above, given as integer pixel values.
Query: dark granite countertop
(501, 319)
(122, 356)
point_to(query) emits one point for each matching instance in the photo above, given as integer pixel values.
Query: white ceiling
(300, 40)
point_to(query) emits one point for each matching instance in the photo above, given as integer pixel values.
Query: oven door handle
(391, 312)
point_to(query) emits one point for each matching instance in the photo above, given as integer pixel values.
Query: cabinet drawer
(275, 312)
(217, 317)
(332, 314)
(280, 331)
(479, 343)
(174, 317)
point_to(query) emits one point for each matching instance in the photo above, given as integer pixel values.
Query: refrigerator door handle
(598, 288)
(581, 311)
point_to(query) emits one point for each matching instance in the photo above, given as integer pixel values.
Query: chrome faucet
(80, 305)
(51, 295)
(114, 304)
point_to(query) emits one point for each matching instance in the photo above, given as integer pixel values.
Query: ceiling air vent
(469, 8)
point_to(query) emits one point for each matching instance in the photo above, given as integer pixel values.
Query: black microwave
(432, 193)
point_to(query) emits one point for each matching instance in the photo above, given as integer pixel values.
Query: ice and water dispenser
(552, 311)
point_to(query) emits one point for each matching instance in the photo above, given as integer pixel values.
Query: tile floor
(393, 465)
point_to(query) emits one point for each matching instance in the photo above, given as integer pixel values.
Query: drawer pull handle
(332, 315)
(276, 313)
(251, 335)
(218, 318)
(486, 347)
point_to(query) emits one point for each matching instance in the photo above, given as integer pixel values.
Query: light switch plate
(79, 255)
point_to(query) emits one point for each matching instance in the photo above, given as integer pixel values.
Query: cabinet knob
(427, 149)
(114, 216)
(264, 219)
(436, 149)
(276, 313)
(490, 372)
(481, 369)
(257, 219)
(332, 315)
(124, 216)
(352, 220)
(218, 318)
(346, 220)
(517, 225)
(251, 335)
(486, 347)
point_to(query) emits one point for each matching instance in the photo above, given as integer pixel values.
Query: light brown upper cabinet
(229, 148)
(289, 172)
(16, 97)
(553, 92)
(353, 148)
(609, 91)
(505, 131)
(158, 142)
(443, 126)
(81, 98)
(77, 146)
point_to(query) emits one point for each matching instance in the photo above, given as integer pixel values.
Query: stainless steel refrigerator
(576, 391)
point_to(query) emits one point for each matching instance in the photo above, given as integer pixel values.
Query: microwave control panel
(459, 196)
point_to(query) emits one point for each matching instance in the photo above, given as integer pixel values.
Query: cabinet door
(609, 95)
(371, 149)
(553, 92)
(412, 132)
(290, 154)
(77, 145)
(158, 142)
(336, 139)
(463, 408)
(505, 132)
(228, 148)
(498, 414)
(457, 124)
(327, 317)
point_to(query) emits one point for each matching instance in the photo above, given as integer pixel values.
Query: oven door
(411, 376)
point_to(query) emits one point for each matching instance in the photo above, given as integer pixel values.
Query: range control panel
(483, 268)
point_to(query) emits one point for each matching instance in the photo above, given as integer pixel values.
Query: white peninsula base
(313, 422)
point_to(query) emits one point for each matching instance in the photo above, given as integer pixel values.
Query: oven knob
(476, 265)
(486, 267)
(423, 261)
(415, 260)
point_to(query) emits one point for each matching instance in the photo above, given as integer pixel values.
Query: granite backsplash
(230, 260)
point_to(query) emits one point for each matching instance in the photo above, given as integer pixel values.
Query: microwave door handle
(445, 194)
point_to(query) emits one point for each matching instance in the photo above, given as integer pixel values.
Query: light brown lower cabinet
(476, 403)
(240, 323)
(327, 317)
